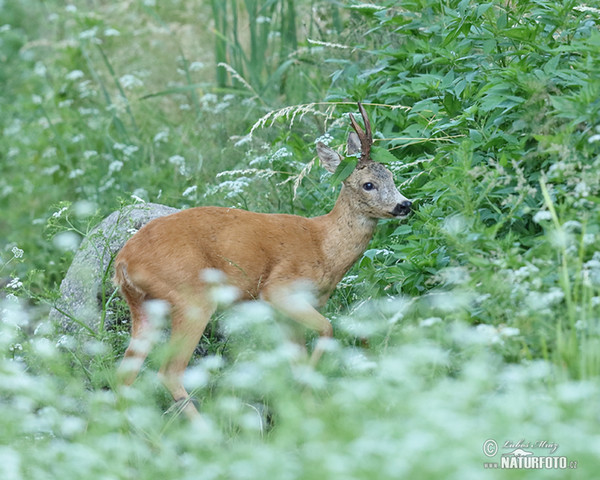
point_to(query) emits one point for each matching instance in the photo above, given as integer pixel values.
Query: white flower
(161, 136)
(111, 32)
(89, 154)
(74, 75)
(282, 153)
(77, 172)
(15, 283)
(325, 139)
(39, 69)
(17, 252)
(60, 212)
(130, 81)
(127, 150)
(115, 166)
(541, 216)
(91, 33)
(582, 190)
(177, 160)
(428, 322)
(190, 190)
(509, 331)
(36, 99)
(195, 66)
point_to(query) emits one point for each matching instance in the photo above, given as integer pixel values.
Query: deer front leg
(298, 308)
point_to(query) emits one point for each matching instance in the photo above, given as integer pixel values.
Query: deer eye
(368, 186)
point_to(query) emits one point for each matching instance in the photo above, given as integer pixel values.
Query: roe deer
(262, 255)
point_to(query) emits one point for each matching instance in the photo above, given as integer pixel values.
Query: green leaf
(382, 155)
(402, 230)
(343, 170)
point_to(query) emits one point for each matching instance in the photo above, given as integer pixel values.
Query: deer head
(370, 188)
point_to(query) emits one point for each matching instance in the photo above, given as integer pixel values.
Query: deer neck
(346, 234)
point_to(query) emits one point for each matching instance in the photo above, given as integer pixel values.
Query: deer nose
(402, 209)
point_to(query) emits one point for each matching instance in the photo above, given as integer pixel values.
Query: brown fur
(262, 255)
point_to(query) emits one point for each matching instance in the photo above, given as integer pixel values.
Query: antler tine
(365, 136)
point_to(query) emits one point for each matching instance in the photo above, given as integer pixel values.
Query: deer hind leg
(189, 319)
(143, 335)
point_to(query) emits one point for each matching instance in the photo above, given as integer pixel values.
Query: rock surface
(81, 291)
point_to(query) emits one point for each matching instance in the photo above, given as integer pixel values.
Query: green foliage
(476, 318)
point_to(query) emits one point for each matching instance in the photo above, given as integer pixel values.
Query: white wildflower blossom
(50, 152)
(428, 322)
(13, 128)
(141, 193)
(59, 213)
(541, 216)
(232, 187)
(196, 66)
(71, 8)
(243, 141)
(488, 333)
(161, 136)
(65, 103)
(74, 75)
(77, 138)
(12, 297)
(325, 139)
(15, 283)
(509, 331)
(188, 191)
(17, 252)
(208, 98)
(50, 170)
(115, 166)
(39, 69)
(185, 106)
(76, 172)
(582, 190)
(177, 160)
(88, 111)
(89, 154)
(67, 241)
(543, 300)
(111, 32)
(5, 28)
(127, 150)
(281, 153)
(36, 99)
(87, 34)
(130, 81)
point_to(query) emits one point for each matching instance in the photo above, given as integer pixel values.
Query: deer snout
(402, 209)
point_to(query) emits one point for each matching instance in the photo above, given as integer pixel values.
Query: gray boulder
(86, 291)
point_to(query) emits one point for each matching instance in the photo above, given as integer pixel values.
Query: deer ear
(353, 146)
(330, 159)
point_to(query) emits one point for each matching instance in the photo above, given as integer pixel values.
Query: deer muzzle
(402, 209)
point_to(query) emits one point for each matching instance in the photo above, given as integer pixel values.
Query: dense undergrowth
(481, 310)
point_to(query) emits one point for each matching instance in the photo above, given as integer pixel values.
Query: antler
(365, 137)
